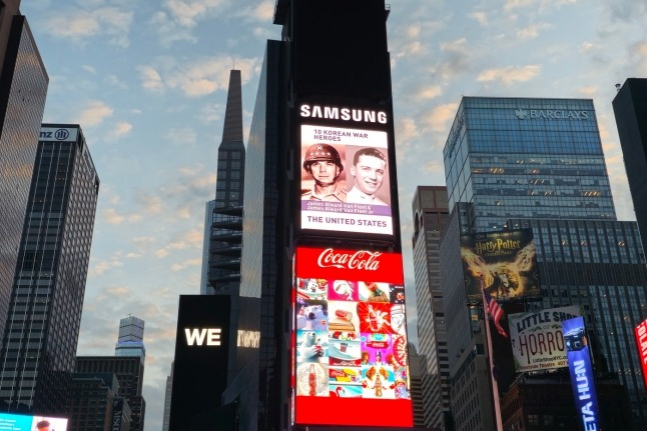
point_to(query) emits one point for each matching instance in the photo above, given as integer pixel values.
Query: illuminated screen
(640, 332)
(507, 261)
(31, 423)
(350, 340)
(345, 182)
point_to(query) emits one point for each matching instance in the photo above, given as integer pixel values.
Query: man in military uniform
(323, 163)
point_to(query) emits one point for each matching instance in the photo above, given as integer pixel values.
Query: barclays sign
(551, 114)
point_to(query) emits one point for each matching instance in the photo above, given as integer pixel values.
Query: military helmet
(322, 153)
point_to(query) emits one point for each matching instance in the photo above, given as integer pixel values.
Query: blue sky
(147, 82)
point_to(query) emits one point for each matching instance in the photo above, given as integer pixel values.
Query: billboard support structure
(494, 384)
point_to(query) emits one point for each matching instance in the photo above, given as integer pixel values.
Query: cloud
(94, 112)
(509, 75)
(263, 12)
(89, 69)
(532, 31)
(150, 203)
(480, 17)
(169, 30)
(122, 292)
(187, 12)
(111, 216)
(455, 59)
(186, 264)
(212, 112)
(189, 239)
(439, 118)
(151, 79)
(104, 265)
(122, 128)
(79, 25)
(182, 136)
(114, 81)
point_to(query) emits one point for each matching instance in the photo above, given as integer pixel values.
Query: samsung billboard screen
(346, 170)
(350, 339)
(31, 423)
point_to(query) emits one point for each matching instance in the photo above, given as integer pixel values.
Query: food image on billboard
(537, 340)
(31, 423)
(345, 184)
(507, 261)
(640, 333)
(351, 347)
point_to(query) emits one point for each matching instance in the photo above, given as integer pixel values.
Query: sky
(147, 82)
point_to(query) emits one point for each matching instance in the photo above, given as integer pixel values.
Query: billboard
(350, 342)
(640, 332)
(507, 261)
(581, 370)
(31, 423)
(537, 340)
(345, 179)
(203, 341)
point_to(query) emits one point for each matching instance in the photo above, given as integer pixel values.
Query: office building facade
(514, 163)
(630, 108)
(23, 88)
(93, 404)
(431, 217)
(130, 377)
(130, 341)
(42, 326)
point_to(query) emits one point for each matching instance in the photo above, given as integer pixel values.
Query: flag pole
(495, 385)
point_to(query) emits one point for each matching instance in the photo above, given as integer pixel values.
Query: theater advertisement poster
(581, 370)
(537, 340)
(507, 261)
(351, 365)
(345, 184)
(640, 332)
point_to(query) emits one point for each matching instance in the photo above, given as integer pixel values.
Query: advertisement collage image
(350, 339)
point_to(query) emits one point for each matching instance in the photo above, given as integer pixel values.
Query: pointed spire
(233, 129)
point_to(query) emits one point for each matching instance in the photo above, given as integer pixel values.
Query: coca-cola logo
(365, 260)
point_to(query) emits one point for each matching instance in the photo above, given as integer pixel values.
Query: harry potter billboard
(506, 262)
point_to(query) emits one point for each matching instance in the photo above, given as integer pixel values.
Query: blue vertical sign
(579, 364)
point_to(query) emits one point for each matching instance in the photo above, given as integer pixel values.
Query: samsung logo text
(202, 336)
(343, 114)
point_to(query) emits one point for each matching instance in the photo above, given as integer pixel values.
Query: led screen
(345, 184)
(640, 332)
(507, 262)
(537, 340)
(350, 340)
(31, 423)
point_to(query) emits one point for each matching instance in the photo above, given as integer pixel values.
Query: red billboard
(640, 332)
(350, 340)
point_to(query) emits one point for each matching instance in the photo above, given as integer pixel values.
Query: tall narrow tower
(227, 217)
(42, 326)
(130, 341)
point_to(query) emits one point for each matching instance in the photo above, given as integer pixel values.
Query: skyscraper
(630, 108)
(227, 221)
(538, 163)
(130, 341)
(431, 216)
(23, 88)
(42, 326)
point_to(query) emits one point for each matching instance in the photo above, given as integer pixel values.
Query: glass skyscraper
(521, 162)
(130, 341)
(42, 326)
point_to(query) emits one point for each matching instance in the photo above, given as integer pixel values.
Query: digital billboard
(350, 339)
(11, 422)
(537, 340)
(345, 179)
(640, 332)
(581, 369)
(507, 261)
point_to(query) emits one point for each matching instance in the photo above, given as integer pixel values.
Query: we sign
(202, 336)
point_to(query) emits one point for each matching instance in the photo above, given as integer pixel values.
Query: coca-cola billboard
(350, 339)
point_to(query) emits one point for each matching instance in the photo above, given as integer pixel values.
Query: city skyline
(148, 85)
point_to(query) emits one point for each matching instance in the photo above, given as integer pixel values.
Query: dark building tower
(227, 220)
(630, 107)
(42, 327)
(23, 87)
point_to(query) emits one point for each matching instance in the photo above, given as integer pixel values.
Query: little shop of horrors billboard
(506, 262)
(346, 169)
(350, 364)
(537, 340)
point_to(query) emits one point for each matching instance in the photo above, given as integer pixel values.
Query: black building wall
(630, 108)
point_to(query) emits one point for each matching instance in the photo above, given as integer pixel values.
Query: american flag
(495, 310)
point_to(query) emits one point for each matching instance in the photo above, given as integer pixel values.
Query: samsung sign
(57, 134)
(343, 114)
(551, 114)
